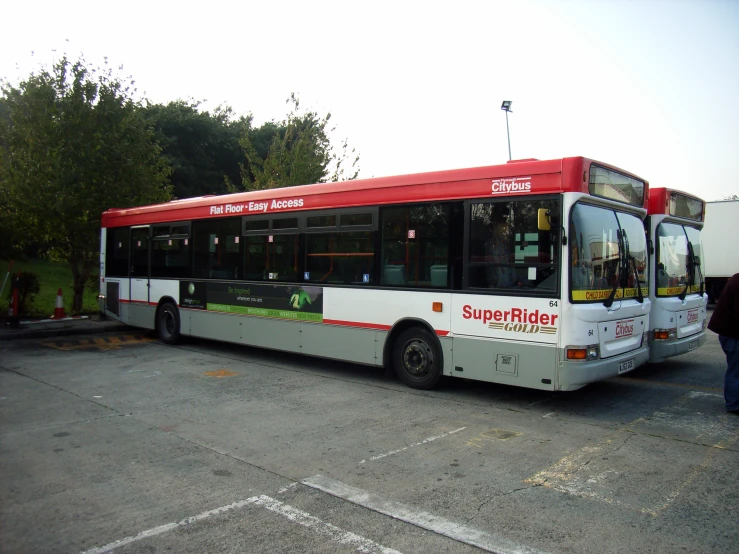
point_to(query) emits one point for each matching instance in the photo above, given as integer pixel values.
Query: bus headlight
(664, 334)
(101, 297)
(582, 352)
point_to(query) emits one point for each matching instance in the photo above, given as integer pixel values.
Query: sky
(649, 86)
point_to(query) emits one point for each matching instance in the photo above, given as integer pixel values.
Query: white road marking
(170, 526)
(424, 441)
(698, 394)
(419, 518)
(575, 474)
(333, 532)
(291, 486)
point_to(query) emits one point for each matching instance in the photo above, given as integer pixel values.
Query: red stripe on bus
(370, 325)
(357, 324)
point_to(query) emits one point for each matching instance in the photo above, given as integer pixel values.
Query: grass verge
(52, 276)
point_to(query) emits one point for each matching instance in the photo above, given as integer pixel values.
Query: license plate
(692, 345)
(626, 366)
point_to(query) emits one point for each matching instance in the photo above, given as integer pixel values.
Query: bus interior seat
(438, 275)
(394, 275)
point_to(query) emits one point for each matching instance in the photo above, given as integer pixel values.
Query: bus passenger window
(415, 246)
(217, 246)
(508, 250)
(338, 257)
(271, 257)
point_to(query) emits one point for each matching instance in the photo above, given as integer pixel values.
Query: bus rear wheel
(416, 359)
(168, 323)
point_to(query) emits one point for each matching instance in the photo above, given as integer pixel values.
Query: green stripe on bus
(282, 314)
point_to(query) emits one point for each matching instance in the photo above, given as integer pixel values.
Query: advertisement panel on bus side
(304, 303)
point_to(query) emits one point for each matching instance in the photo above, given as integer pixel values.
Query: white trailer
(720, 245)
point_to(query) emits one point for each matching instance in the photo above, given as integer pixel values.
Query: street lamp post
(506, 107)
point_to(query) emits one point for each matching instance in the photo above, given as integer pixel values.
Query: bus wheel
(416, 359)
(168, 323)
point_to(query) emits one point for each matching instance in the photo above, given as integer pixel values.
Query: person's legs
(731, 380)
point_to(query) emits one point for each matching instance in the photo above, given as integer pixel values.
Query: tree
(74, 143)
(201, 147)
(300, 153)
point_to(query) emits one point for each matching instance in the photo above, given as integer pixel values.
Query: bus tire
(168, 323)
(417, 359)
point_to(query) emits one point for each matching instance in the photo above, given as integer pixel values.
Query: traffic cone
(59, 308)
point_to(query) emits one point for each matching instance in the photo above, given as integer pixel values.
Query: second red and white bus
(679, 299)
(531, 273)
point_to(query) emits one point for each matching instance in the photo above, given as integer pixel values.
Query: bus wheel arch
(167, 321)
(413, 351)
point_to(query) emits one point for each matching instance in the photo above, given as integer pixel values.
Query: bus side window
(415, 245)
(341, 257)
(217, 247)
(507, 250)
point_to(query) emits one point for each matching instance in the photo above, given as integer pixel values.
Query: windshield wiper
(625, 261)
(693, 264)
(608, 302)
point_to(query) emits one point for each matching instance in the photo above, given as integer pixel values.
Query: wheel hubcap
(418, 358)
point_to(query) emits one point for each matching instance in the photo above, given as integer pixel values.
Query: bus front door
(138, 273)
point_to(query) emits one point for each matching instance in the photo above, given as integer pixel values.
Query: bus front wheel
(168, 323)
(416, 359)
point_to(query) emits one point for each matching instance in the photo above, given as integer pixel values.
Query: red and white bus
(679, 300)
(532, 273)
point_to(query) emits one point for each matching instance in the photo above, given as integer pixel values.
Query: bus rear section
(677, 290)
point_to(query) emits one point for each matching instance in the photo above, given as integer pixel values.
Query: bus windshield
(678, 259)
(608, 255)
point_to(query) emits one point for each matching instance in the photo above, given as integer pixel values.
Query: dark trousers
(731, 381)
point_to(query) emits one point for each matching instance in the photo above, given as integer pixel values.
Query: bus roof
(513, 178)
(666, 201)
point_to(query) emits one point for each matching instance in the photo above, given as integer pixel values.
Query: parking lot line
(424, 441)
(295, 515)
(574, 474)
(170, 526)
(333, 532)
(419, 518)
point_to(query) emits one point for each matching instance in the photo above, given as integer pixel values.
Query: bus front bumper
(661, 349)
(575, 375)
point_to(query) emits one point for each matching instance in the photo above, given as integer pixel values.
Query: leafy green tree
(300, 153)
(74, 143)
(201, 147)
